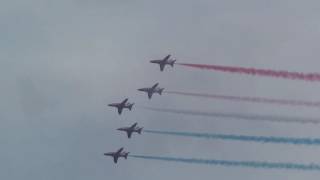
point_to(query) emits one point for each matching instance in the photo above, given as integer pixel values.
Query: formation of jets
(126, 105)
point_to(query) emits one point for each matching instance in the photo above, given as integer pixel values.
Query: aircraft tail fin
(140, 130)
(172, 63)
(160, 91)
(130, 106)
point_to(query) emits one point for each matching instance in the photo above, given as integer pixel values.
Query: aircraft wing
(129, 133)
(119, 151)
(167, 57)
(124, 101)
(120, 110)
(162, 66)
(115, 159)
(134, 125)
(154, 86)
(150, 95)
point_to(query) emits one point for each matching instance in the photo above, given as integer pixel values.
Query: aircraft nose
(139, 89)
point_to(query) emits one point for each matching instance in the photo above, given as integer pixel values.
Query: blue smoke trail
(250, 117)
(250, 164)
(261, 139)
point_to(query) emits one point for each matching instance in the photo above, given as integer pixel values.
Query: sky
(63, 61)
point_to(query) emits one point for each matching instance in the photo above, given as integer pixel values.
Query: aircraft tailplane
(140, 130)
(172, 63)
(130, 106)
(126, 155)
(160, 91)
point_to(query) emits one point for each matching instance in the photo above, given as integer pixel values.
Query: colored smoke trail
(249, 99)
(248, 164)
(249, 117)
(258, 72)
(260, 139)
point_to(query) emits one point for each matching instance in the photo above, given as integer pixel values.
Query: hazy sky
(63, 61)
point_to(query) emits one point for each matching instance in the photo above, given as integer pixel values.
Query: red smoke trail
(250, 99)
(258, 72)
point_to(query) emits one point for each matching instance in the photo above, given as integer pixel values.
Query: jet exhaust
(232, 137)
(249, 117)
(261, 100)
(229, 163)
(258, 72)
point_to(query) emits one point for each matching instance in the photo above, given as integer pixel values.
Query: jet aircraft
(163, 62)
(122, 105)
(154, 89)
(131, 129)
(117, 155)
